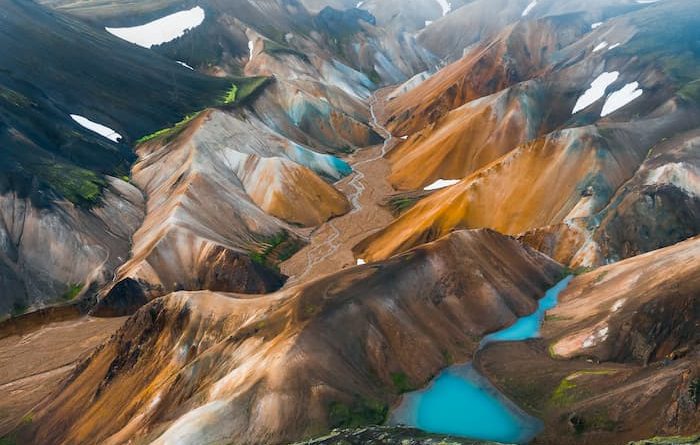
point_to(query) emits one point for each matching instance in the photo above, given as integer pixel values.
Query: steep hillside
(213, 211)
(585, 164)
(476, 21)
(315, 221)
(624, 353)
(518, 53)
(185, 362)
(72, 100)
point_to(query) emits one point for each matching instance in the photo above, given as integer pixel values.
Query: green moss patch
(72, 292)
(362, 412)
(78, 185)
(230, 96)
(240, 90)
(401, 382)
(170, 132)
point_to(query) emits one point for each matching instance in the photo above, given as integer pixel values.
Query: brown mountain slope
(584, 165)
(212, 209)
(625, 341)
(571, 173)
(518, 53)
(476, 134)
(50, 255)
(450, 36)
(210, 368)
(659, 206)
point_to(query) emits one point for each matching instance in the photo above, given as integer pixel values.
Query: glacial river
(461, 402)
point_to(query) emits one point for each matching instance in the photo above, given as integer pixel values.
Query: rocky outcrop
(379, 435)
(268, 365)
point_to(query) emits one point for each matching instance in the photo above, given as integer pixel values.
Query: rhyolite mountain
(268, 226)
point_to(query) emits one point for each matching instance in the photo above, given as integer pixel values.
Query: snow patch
(441, 183)
(596, 24)
(618, 305)
(100, 129)
(529, 7)
(446, 7)
(410, 84)
(621, 97)
(360, 262)
(185, 65)
(596, 91)
(162, 30)
(600, 46)
(614, 46)
(597, 337)
(679, 174)
(251, 47)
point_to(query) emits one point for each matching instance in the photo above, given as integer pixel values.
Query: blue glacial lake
(461, 402)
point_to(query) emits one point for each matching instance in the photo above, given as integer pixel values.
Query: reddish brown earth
(185, 362)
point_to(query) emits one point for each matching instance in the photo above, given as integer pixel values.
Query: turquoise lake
(461, 402)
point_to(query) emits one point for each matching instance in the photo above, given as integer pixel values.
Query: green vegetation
(72, 292)
(601, 421)
(8, 440)
(401, 204)
(169, 132)
(362, 412)
(672, 440)
(691, 91)
(273, 48)
(562, 395)
(19, 308)
(576, 271)
(694, 391)
(267, 247)
(78, 185)
(230, 96)
(247, 86)
(374, 76)
(239, 91)
(28, 418)
(601, 276)
(401, 382)
(14, 98)
(447, 355)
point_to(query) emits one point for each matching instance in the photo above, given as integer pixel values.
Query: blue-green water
(461, 402)
(529, 326)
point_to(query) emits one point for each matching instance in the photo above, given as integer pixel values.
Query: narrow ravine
(317, 254)
(462, 402)
(356, 182)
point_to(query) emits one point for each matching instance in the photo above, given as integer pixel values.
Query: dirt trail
(331, 243)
